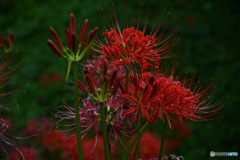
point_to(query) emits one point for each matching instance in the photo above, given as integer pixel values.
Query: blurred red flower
(28, 154)
(54, 141)
(37, 126)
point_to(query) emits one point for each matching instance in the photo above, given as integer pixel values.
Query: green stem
(135, 139)
(76, 105)
(139, 135)
(68, 70)
(124, 154)
(104, 132)
(162, 140)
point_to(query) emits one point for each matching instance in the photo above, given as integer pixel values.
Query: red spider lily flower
(47, 79)
(132, 43)
(142, 93)
(75, 52)
(28, 154)
(6, 43)
(115, 121)
(90, 152)
(90, 118)
(88, 113)
(38, 126)
(150, 146)
(110, 84)
(53, 141)
(6, 70)
(177, 100)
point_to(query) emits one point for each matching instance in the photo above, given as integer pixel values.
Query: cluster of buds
(74, 52)
(6, 43)
(109, 85)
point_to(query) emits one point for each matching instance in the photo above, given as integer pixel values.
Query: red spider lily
(131, 43)
(54, 141)
(150, 146)
(177, 100)
(90, 118)
(115, 121)
(38, 126)
(75, 51)
(141, 93)
(28, 154)
(88, 113)
(47, 79)
(90, 152)
(6, 71)
(110, 84)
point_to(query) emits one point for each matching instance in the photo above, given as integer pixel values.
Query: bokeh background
(209, 36)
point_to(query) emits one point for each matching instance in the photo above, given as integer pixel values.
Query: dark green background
(211, 39)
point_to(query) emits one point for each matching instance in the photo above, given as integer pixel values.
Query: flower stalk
(124, 154)
(104, 132)
(162, 140)
(76, 105)
(138, 148)
(135, 139)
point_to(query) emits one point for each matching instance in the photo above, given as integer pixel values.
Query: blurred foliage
(209, 35)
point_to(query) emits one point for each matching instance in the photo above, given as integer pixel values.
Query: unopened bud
(56, 38)
(54, 48)
(68, 37)
(154, 91)
(72, 23)
(116, 85)
(105, 68)
(92, 35)
(80, 85)
(151, 80)
(112, 78)
(74, 47)
(83, 31)
(90, 80)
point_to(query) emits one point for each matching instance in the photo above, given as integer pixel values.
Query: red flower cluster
(132, 44)
(65, 147)
(126, 82)
(38, 126)
(169, 99)
(28, 154)
(150, 146)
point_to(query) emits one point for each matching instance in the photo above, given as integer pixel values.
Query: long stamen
(146, 21)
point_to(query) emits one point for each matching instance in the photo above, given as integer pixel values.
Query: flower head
(141, 93)
(131, 44)
(177, 100)
(28, 154)
(108, 86)
(37, 126)
(76, 51)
